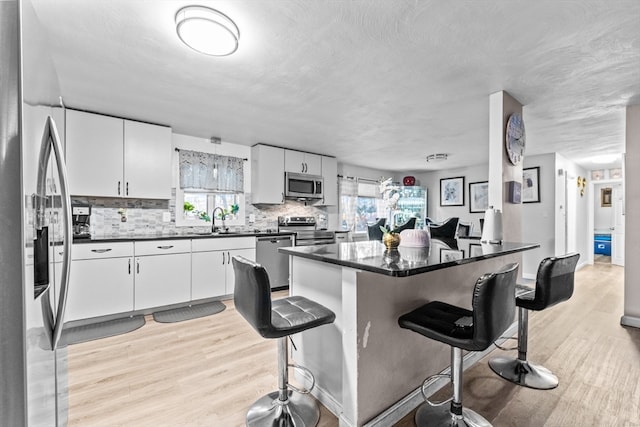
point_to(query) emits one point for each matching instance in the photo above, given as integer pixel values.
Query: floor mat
(94, 331)
(190, 312)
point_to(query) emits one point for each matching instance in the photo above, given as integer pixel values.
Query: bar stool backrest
(447, 229)
(554, 281)
(494, 306)
(252, 294)
(374, 232)
(409, 225)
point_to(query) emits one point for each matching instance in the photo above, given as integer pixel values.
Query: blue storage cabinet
(602, 244)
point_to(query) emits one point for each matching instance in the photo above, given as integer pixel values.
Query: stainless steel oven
(306, 233)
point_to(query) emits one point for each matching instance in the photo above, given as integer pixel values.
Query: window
(360, 204)
(205, 202)
(208, 181)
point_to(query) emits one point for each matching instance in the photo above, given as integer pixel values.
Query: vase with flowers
(390, 196)
(390, 238)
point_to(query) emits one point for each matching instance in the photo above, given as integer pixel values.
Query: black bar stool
(493, 311)
(278, 319)
(554, 284)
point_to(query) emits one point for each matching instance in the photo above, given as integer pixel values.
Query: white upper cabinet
(147, 160)
(330, 175)
(94, 154)
(267, 174)
(301, 162)
(111, 157)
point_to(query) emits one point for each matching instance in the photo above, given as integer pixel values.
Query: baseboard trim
(414, 399)
(634, 322)
(326, 399)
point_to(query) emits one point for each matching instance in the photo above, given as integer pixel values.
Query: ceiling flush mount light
(440, 157)
(207, 31)
(605, 158)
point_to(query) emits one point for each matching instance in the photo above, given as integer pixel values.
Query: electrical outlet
(166, 216)
(252, 218)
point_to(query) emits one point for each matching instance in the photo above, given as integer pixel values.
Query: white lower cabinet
(211, 266)
(162, 273)
(230, 275)
(122, 277)
(101, 280)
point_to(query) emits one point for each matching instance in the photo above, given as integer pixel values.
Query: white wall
(362, 172)
(431, 181)
(538, 219)
(580, 236)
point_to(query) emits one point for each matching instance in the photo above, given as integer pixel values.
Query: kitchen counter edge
(303, 252)
(147, 237)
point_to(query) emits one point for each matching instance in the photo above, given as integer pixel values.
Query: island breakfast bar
(364, 363)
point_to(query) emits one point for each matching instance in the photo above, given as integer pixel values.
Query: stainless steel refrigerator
(35, 229)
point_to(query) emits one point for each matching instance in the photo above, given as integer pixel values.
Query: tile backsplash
(145, 216)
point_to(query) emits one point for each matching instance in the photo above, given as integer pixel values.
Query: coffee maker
(81, 217)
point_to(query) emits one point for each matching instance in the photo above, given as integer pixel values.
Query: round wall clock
(515, 138)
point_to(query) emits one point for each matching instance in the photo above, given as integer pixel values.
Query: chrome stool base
(300, 410)
(524, 373)
(428, 415)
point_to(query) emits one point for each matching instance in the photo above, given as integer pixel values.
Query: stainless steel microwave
(303, 187)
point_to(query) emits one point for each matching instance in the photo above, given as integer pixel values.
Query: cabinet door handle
(100, 251)
(222, 258)
(165, 247)
(282, 197)
(127, 188)
(118, 188)
(129, 265)
(138, 266)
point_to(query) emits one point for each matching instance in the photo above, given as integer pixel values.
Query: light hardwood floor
(208, 371)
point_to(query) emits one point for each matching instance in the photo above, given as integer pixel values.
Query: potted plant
(390, 238)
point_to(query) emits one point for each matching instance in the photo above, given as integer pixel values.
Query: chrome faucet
(213, 219)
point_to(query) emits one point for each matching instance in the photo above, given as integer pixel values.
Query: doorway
(607, 219)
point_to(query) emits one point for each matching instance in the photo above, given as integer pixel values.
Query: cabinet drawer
(223, 243)
(162, 247)
(101, 250)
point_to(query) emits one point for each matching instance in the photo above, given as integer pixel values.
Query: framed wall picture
(448, 255)
(530, 192)
(605, 197)
(475, 249)
(478, 196)
(452, 191)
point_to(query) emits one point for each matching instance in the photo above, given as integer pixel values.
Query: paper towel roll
(492, 229)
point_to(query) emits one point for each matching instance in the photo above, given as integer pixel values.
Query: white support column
(631, 315)
(501, 171)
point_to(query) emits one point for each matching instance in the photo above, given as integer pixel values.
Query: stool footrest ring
(506, 348)
(305, 373)
(427, 382)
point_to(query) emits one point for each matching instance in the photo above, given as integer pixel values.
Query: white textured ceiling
(376, 83)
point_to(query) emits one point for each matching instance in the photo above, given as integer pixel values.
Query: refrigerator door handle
(50, 139)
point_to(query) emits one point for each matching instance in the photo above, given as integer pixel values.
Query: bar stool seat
(493, 311)
(554, 284)
(289, 406)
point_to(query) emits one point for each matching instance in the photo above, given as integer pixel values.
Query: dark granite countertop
(195, 235)
(405, 261)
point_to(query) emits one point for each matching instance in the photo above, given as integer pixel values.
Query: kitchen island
(367, 368)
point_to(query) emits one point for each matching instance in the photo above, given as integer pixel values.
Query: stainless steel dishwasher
(276, 264)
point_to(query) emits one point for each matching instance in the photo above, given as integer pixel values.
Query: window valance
(211, 172)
